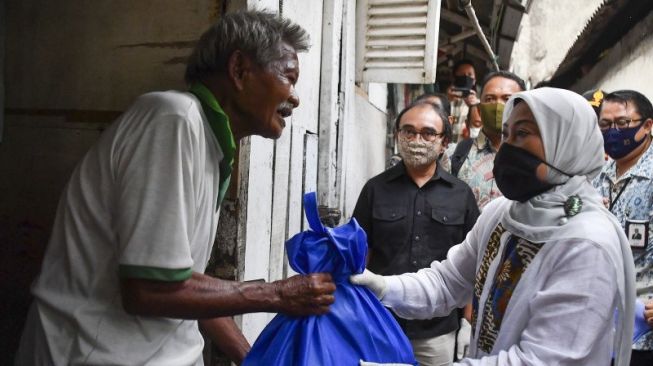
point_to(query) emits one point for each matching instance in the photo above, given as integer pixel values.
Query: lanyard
(613, 201)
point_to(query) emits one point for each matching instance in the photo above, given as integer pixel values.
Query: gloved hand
(641, 326)
(302, 295)
(376, 283)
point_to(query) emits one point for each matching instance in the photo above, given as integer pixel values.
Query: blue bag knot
(357, 326)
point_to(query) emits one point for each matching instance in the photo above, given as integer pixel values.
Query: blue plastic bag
(357, 328)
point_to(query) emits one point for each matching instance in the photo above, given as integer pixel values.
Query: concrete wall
(365, 148)
(546, 34)
(627, 65)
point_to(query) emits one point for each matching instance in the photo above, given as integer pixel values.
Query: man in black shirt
(413, 213)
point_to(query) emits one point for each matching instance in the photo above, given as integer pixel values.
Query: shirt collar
(218, 120)
(400, 170)
(482, 142)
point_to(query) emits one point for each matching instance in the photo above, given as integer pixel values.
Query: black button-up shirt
(408, 227)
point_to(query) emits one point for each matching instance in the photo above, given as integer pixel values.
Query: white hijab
(573, 143)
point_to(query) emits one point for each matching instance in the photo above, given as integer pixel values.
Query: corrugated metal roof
(592, 30)
(609, 23)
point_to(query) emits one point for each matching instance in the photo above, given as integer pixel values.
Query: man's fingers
(321, 283)
(323, 300)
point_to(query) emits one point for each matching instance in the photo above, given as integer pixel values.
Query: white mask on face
(419, 152)
(474, 131)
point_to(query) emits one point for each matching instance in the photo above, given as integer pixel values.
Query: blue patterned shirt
(634, 204)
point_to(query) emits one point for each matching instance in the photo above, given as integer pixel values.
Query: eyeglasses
(411, 133)
(619, 124)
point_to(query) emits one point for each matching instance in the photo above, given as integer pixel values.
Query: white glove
(376, 283)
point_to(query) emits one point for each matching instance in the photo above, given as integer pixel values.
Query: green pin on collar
(573, 206)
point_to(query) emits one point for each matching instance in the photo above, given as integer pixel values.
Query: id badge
(637, 233)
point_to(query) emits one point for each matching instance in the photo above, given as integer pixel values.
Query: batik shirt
(476, 170)
(634, 206)
(516, 257)
(459, 111)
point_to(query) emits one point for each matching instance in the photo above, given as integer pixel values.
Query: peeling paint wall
(546, 34)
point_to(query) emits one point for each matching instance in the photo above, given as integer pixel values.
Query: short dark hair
(441, 113)
(461, 62)
(258, 34)
(506, 75)
(446, 105)
(642, 104)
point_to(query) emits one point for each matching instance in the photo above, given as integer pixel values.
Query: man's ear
(648, 125)
(238, 66)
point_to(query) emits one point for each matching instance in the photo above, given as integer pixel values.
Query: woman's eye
(522, 133)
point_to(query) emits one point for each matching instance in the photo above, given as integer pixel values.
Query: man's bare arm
(205, 297)
(226, 335)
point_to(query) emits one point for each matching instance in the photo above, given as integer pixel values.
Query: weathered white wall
(276, 174)
(546, 34)
(627, 65)
(364, 148)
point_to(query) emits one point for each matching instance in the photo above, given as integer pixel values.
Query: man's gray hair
(258, 34)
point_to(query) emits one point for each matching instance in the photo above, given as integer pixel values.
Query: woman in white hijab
(547, 268)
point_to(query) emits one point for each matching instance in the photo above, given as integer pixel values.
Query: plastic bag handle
(312, 214)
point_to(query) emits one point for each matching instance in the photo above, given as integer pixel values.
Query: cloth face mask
(619, 143)
(492, 116)
(419, 153)
(515, 171)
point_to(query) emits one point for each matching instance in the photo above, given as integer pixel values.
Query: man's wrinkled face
(272, 96)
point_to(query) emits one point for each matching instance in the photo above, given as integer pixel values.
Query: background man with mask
(462, 95)
(412, 214)
(472, 160)
(626, 184)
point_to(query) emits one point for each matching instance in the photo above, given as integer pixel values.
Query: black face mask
(515, 173)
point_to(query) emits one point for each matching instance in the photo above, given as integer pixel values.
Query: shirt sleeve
(156, 200)
(363, 213)
(568, 315)
(472, 211)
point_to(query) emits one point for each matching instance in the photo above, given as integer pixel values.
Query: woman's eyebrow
(524, 121)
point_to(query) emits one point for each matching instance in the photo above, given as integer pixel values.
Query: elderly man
(122, 282)
(412, 214)
(626, 184)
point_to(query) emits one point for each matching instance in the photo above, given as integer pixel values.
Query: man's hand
(471, 99)
(648, 312)
(376, 283)
(303, 295)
